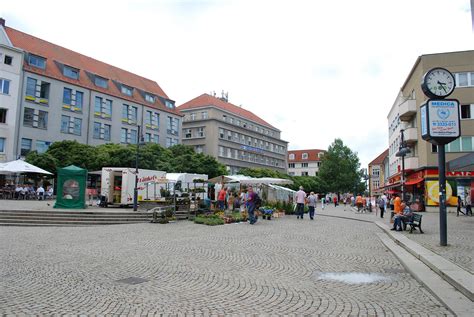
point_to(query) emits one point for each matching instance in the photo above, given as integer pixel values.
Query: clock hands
(442, 86)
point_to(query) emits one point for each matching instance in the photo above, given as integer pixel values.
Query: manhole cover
(133, 280)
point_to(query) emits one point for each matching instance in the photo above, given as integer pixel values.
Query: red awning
(391, 191)
(414, 181)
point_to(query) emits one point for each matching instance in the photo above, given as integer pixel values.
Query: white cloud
(317, 70)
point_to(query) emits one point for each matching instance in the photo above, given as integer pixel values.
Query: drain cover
(133, 280)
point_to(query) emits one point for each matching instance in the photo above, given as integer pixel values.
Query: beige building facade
(236, 137)
(421, 172)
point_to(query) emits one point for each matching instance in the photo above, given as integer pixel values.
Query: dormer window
(291, 157)
(304, 156)
(71, 72)
(150, 98)
(126, 90)
(320, 154)
(169, 104)
(37, 61)
(101, 82)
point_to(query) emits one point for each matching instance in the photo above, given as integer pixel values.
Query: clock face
(438, 82)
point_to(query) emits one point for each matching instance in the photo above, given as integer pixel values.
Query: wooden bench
(415, 222)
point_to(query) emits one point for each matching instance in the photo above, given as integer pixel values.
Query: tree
(262, 172)
(44, 160)
(339, 168)
(73, 153)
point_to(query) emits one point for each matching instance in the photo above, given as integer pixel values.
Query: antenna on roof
(224, 96)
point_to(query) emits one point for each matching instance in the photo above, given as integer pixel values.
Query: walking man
(311, 204)
(251, 197)
(382, 204)
(300, 200)
(468, 204)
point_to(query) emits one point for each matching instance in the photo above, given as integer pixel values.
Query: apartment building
(65, 95)
(377, 174)
(304, 162)
(421, 165)
(11, 63)
(236, 137)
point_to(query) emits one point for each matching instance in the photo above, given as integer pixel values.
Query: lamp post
(403, 150)
(135, 189)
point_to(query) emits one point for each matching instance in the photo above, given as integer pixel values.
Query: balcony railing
(411, 135)
(407, 110)
(411, 162)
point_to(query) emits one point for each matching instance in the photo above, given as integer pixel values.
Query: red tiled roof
(208, 100)
(53, 52)
(312, 155)
(379, 159)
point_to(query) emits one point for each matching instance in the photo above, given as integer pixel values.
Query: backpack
(258, 200)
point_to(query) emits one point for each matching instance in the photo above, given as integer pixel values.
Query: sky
(316, 70)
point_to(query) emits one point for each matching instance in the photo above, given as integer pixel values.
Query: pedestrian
(352, 201)
(359, 202)
(243, 200)
(322, 202)
(344, 199)
(221, 198)
(40, 192)
(300, 200)
(382, 202)
(251, 204)
(397, 209)
(334, 199)
(468, 204)
(311, 199)
(459, 210)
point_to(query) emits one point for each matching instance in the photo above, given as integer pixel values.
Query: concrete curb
(456, 302)
(461, 279)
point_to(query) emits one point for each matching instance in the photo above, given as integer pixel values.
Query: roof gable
(313, 155)
(205, 100)
(379, 159)
(55, 54)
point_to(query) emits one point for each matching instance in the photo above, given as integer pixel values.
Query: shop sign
(440, 123)
(459, 173)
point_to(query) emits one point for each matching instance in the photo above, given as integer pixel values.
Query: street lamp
(403, 150)
(135, 190)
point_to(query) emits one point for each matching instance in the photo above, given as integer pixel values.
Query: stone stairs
(70, 218)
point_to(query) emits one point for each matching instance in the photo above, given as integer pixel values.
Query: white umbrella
(20, 166)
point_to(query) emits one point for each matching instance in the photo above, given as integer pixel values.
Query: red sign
(459, 173)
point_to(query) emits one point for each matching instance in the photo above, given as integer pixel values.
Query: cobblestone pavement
(460, 233)
(279, 267)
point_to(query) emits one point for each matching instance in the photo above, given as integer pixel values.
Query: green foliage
(44, 160)
(339, 170)
(263, 172)
(211, 220)
(309, 183)
(73, 153)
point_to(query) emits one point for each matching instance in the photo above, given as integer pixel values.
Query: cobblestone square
(278, 267)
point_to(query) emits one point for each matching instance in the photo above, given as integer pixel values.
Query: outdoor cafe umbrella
(20, 166)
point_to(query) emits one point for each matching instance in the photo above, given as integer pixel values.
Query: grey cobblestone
(270, 268)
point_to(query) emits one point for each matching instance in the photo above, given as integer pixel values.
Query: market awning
(414, 181)
(391, 191)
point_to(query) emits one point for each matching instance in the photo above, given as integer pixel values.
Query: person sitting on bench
(402, 218)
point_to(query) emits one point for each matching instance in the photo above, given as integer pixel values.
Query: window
(187, 133)
(97, 128)
(462, 144)
(198, 149)
(65, 124)
(67, 96)
(169, 104)
(123, 135)
(291, 157)
(229, 135)
(291, 165)
(37, 61)
(28, 117)
(101, 82)
(126, 90)
(25, 146)
(173, 125)
(79, 100)
(71, 72)
(156, 138)
(4, 86)
(304, 156)
(204, 115)
(8, 60)
(147, 137)
(3, 115)
(304, 164)
(304, 173)
(31, 87)
(125, 112)
(44, 90)
(77, 128)
(43, 119)
(224, 117)
(107, 128)
(103, 109)
(200, 132)
(149, 98)
(465, 79)
(133, 136)
(221, 133)
(169, 142)
(42, 146)
(221, 151)
(467, 111)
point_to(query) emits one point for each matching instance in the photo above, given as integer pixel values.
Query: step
(67, 221)
(50, 215)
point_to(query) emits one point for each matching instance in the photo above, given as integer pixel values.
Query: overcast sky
(317, 70)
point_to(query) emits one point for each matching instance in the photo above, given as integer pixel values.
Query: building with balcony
(377, 174)
(421, 164)
(64, 95)
(233, 135)
(304, 162)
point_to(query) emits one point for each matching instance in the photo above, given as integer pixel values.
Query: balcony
(411, 162)
(407, 110)
(411, 135)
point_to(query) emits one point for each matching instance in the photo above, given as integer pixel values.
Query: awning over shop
(391, 191)
(414, 181)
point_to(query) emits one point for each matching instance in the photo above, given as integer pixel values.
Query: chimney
(2, 21)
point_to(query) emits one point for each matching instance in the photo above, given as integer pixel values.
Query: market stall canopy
(20, 166)
(228, 179)
(247, 180)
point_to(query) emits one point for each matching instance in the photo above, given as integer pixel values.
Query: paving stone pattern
(271, 268)
(459, 250)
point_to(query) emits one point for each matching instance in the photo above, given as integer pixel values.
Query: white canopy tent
(247, 180)
(20, 166)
